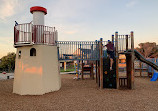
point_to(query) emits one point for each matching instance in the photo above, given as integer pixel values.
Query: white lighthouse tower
(36, 67)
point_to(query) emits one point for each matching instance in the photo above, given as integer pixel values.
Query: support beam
(98, 74)
(82, 70)
(126, 42)
(101, 64)
(64, 65)
(140, 66)
(117, 60)
(132, 64)
(96, 69)
(112, 39)
(91, 72)
(128, 69)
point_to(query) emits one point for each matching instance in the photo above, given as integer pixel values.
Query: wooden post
(96, 69)
(64, 65)
(117, 59)
(132, 64)
(101, 64)
(126, 42)
(98, 62)
(153, 69)
(140, 66)
(113, 39)
(82, 71)
(128, 69)
(92, 74)
(148, 71)
(128, 65)
(98, 74)
(152, 72)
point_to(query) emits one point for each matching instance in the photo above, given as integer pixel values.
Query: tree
(8, 62)
(148, 49)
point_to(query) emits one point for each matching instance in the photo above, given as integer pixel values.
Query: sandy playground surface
(83, 95)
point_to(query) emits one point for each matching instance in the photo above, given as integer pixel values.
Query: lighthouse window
(19, 55)
(33, 52)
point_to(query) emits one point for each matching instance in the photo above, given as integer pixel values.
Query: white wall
(38, 18)
(36, 75)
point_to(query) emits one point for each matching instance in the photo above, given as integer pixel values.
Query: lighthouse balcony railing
(29, 34)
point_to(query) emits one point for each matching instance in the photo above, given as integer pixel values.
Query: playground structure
(93, 51)
(39, 52)
(36, 67)
(111, 79)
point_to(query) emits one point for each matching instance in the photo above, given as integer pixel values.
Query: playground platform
(83, 95)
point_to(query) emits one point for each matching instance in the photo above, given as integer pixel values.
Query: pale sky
(83, 19)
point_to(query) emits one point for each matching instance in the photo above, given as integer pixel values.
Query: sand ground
(83, 95)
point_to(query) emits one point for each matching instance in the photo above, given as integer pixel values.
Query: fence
(34, 34)
(140, 65)
(78, 50)
(143, 67)
(154, 60)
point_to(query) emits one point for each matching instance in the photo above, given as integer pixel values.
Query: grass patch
(67, 70)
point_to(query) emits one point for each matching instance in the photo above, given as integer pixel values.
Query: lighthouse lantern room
(36, 67)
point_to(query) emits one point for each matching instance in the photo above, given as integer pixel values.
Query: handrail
(34, 34)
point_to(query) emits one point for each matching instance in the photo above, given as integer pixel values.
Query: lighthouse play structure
(36, 67)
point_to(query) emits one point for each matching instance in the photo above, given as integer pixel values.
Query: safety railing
(34, 34)
(124, 43)
(23, 33)
(78, 50)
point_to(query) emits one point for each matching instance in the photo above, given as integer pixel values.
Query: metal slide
(143, 59)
